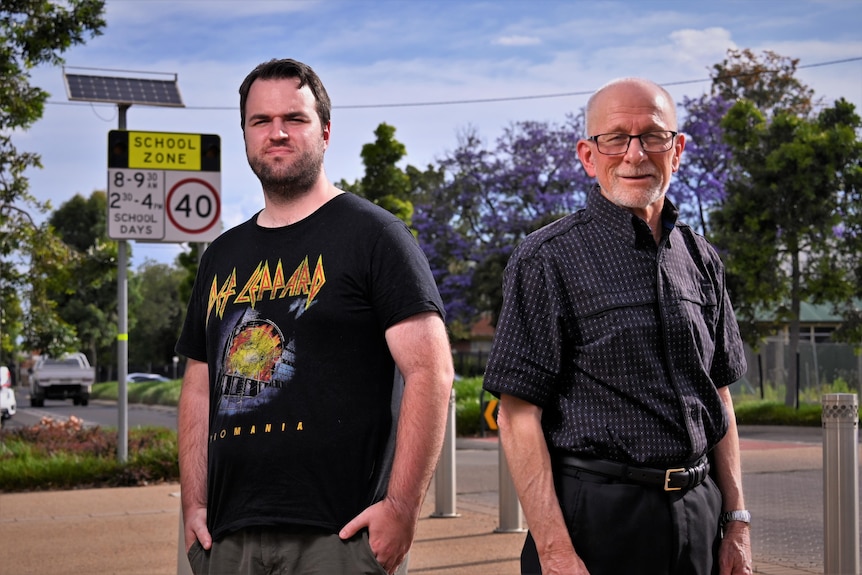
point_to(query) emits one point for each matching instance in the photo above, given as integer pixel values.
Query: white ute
(61, 378)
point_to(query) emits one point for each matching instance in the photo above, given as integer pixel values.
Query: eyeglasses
(617, 144)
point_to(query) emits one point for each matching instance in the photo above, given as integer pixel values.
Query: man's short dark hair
(282, 69)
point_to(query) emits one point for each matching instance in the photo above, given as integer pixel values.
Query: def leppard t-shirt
(303, 391)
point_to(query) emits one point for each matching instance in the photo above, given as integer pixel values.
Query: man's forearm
(421, 351)
(728, 461)
(421, 428)
(530, 466)
(193, 417)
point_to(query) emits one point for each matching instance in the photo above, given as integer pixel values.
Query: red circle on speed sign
(200, 205)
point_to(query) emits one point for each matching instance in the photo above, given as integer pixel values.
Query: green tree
(87, 300)
(48, 270)
(188, 262)
(777, 225)
(32, 33)
(159, 309)
(384, 183)
(768, 80)
(849, 234)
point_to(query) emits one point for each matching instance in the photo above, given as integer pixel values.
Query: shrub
(775, 413)
(65, 455)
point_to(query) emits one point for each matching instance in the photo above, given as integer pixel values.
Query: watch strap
(738, 515)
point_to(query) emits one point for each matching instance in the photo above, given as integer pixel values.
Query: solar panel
(123, 90)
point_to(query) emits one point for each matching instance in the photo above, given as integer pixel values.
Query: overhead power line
(505, 98)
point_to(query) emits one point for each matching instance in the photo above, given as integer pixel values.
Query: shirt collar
(623, 223)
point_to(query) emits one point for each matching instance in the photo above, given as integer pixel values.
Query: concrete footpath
(134, 531)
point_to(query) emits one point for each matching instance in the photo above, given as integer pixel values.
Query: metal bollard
(840, 420)
(511, 513)
(444, 476)
(183, 565)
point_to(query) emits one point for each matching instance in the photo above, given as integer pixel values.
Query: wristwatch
(738, 515)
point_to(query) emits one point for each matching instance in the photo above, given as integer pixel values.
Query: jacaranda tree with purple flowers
(489, 199)
(698, 186)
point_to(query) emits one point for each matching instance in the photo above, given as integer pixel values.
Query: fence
(470, 363)
(819, 364)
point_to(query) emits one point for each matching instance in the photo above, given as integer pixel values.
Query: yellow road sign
(491, 414)
(165, 151)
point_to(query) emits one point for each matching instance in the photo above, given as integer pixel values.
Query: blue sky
(380, 58)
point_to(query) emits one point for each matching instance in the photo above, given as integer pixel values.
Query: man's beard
(282, 181)
(635, 200)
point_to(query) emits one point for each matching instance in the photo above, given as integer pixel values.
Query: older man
(614, 350)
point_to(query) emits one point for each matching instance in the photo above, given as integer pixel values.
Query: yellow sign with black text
(164, 151)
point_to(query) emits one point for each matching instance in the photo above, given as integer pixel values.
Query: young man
(319, 370)
(612, 357)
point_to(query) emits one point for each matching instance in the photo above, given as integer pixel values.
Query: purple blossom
(699, 185)
(490, 199)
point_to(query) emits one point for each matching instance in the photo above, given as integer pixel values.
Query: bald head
(628, 174)
(631, 94)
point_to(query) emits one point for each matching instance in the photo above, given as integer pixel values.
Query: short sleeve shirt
(622, 342)
(304, 393)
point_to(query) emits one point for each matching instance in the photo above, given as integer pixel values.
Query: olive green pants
(287, 551)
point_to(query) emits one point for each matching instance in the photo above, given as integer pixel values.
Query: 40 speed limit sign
(164, 187)
(193, 207)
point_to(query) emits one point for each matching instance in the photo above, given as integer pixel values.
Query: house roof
(809, 313)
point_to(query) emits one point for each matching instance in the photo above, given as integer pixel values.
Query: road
(101, 413)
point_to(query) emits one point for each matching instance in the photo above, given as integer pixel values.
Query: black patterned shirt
(622, 342)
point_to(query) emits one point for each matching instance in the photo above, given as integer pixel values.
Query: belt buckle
(667, 473)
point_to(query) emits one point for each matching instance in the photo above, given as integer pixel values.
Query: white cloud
(710, 44)
(517, 41)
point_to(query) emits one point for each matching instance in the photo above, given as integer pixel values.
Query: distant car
(8, 403)
(140, 377)
(64, 377)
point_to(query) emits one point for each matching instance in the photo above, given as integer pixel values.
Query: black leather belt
(674, 479)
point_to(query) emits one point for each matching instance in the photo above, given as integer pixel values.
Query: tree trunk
(791, 398)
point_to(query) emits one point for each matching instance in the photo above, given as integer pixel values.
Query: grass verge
(67, 455)
(147, 392)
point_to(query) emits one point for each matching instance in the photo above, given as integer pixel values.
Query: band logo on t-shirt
(302, 282)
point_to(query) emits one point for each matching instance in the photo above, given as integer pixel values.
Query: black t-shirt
(304, 393)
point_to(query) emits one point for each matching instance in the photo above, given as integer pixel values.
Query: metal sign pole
(122, 353)
(122, 334)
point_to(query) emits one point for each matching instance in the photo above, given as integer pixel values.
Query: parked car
(61, 378)
(139, 377)
(8, 403)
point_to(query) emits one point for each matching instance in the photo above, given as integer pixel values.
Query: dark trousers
(287, 551)
(621, 527)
